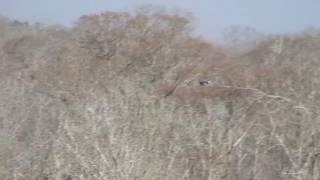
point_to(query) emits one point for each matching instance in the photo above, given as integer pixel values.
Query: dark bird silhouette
(204, 83)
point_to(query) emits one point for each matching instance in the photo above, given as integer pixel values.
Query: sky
(212, 16)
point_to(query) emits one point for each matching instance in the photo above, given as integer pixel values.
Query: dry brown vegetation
(117, 97)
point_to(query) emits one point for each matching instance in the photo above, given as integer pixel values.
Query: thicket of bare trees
(117, 97)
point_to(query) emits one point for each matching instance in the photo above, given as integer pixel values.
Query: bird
(204, 83)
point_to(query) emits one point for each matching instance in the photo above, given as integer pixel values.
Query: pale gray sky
(213, 16)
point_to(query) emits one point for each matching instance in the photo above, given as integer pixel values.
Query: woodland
(138, 96)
